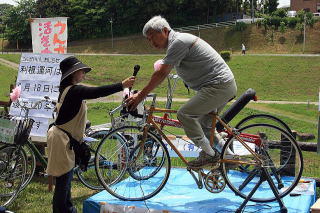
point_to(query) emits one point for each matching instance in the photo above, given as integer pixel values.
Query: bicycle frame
(37, 153)
(152, 120)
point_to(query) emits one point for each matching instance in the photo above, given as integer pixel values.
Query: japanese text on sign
(49, 35)
(38, 76)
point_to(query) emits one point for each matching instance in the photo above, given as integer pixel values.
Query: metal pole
(111, 33)
(318, 145)
(304, 33)
(252, 12)
(2, 41)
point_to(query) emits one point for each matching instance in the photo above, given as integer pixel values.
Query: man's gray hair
(157, 23)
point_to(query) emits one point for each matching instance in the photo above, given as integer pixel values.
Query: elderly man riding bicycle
(202, 69)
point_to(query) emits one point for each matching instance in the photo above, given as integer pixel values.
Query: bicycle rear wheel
(281, 157)
(89, 178)
(12, 173)
(263, 118)
(133, 171)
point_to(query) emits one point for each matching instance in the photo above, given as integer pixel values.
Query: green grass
(8, 76)
(310, 111)
(273, 77)
(12, 57)
(36, 198)
(278, 78)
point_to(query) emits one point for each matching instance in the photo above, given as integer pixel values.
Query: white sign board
(49, 35)
(38, 76)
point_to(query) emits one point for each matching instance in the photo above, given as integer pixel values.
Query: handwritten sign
(49, 35)
(38, 76)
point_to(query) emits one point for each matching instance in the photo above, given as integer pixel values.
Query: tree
(3, 10)
(17, 22)
(52, 8)
(272, 5)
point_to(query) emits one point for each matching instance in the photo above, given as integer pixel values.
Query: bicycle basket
(23, 130)
(14, 130)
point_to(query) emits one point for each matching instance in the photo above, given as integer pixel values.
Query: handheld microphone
(136, 69)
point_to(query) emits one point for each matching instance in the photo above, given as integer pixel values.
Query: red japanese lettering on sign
(60, 49)
(56, 40)
(62, 25)
(45, 30)
(48, 27)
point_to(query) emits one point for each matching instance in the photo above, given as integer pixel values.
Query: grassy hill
(257, 40)
(292, 78)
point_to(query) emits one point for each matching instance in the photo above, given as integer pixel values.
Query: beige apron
(60, 158)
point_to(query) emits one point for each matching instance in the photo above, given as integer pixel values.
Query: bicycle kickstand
(264, 177)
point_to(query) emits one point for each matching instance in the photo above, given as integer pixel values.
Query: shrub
(292, 22)
(282, 27)
(280, 13)
(260, 23)
(226, 55)
(275, 20)
(240, 26)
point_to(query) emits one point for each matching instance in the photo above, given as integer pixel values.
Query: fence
(205, 26)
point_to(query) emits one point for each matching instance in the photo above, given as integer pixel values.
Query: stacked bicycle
(260, 162)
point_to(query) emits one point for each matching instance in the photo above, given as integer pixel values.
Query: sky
(8, 2)
(281, 2)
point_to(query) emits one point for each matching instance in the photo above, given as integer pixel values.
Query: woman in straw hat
(71, 117)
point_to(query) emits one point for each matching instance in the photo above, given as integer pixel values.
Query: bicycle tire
(278, 163)
(150, 158)
(31, 166)
(89, 177)
(266, 119)
(117, 179)
(12, 173)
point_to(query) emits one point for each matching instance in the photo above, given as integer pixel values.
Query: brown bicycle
(255, 159)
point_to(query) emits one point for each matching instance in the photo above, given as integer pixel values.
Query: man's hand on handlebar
(133, 101)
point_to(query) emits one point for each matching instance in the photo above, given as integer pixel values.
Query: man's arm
(157, 77)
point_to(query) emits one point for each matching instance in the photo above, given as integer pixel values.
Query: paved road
(118, 98)
(9, 63)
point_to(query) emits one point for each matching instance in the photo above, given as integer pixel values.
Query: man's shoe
(204, 159)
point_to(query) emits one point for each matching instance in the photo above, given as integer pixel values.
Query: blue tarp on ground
(181, 194)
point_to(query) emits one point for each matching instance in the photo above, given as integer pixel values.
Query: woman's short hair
(157, 23)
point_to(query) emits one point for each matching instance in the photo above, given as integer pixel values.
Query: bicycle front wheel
(281, 159)
(31, 165)
(12, 173)
(134, 170)
(89, 177)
